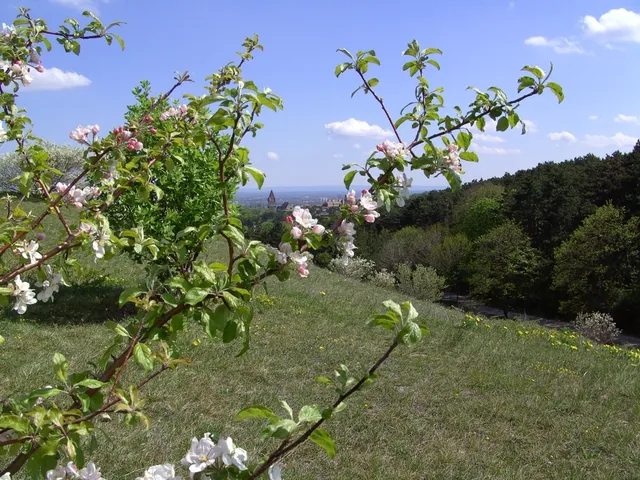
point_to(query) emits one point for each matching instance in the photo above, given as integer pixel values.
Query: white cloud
(272, 156)
(494, 150)
(56, 79)
(486, 138)
(593, 117)
(618, 24)
(562, 137)
(622, 118)
(531, 126)
(81, 4)
(618, 140)
(356, 145)
(337, 155)
(357, 128)
(559, 45)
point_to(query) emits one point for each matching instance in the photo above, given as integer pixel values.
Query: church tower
(271, 201)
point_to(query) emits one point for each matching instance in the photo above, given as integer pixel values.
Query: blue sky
(594, 45)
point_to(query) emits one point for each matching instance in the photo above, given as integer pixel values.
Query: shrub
(597, 326)
(323, 259)
(384, 279)
(423, 282)
(410, 245)
(358, 268)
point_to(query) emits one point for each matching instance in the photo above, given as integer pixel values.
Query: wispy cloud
(494, 150)
(337, 155)
(272, 156)
(617, 140)
(622, 118)
(562, 137)
(356, 128)
(81, 4)
(560, 45)
(593, 117)
(56, 79)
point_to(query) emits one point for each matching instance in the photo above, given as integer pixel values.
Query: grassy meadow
(477, 399)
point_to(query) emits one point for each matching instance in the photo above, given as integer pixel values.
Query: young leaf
(60, 366)
(537, 71)
(257, 175)
(309, 414)
(195, 295)
(323, 439)
(256, 411)
(90, 383)
(129, 294)
(142, 355)
(469, 156)
(557, 90)
(348, 178)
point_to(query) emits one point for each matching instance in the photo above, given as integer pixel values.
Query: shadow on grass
(77, 305)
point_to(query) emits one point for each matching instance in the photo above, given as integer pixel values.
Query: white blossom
(6, 476)
(303, 217)
(346, 228)
(80, 134)
(403, 183)
(202, 454)
(7, 31)
(275, 472)
(59, 473)
(29, 251)
(50, 285)
(231, 455)
(3, 134)
(160, 472)
(24, 295)
(319, 229)
(367, 202)
(392, 149)
(99, 243)
(452, 159)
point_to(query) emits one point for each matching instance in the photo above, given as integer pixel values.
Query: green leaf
(257, 175)
(90, 383)
(525, 82)
(537, 71)
(557, 90)
(281, 429)
(234, 234)
(464, 140)
(373, 82)
(142, 355)
(230, 332)
(309, 414)
(373, 60)
(434, 63)
(408, 311)
(408, 65)
(469, 156)
(44, 393)
(348, 178)
(20, 425)
(196, 295)
(410, 334)
(385, 321)
(256, 411)
(323, 439)
(60, 366)
(346, 52)
(503, 124)
(117, 328)
(169, 299)
(325, 380)
(231, 301)
(216, 320)
(129, 294)
(393, 306)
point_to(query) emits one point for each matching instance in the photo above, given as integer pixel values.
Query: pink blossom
(354, 208)
(163, 116)
(296, 233)
(80, 134)
(318, 229)
(135, 145)
(147, 118)
(346, 228)
(370, 217)
(95, 129)
(351, 197)
(289, 219)
(303, 271)
(16, 68)
(392, 149)
(40, 68)
(183, 109)
(153, 131)
(61, 187)
(367, 202)
(26, 79)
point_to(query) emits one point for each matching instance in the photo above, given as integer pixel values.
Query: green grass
(503, 401)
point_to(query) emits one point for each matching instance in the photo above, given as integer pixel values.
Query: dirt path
(469, 305)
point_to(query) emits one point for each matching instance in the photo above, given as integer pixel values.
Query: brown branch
(282, 450)
(54, 206)
(379, 100)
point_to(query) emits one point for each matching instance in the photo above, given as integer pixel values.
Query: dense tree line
(558, 239)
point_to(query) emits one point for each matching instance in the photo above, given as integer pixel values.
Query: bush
(410, 245)
(597, 326)
(323, 259)
(384, 279)
(358, 268)
(423, 282)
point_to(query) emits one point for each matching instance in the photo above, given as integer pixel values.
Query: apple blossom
(371, 216)
(346, 228)
(289, 219)
(99, 243)
(403, 184)
(318, 229)
(153, 131)
(275, 472)
(6, 476)
(367, 202)
(80, 134)
(160, 472)
(392, 149)
(135, 145)
(40, 69)
(232, 455)
(50, 286)
(303, 271)
(3, 134)
(59, 473)
(351, 197)
(8, 30)
(296, 233)
(24, 295)
(29, 251)
(303, 217)
(202, 454)
(90, 472)
(452, 160)
(16, 68)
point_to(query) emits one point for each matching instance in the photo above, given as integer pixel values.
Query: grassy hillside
(489, 400)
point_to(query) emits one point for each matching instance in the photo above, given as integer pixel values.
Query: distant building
(284, 206)
(271, 201)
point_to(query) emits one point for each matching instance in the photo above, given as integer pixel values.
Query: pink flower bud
(296, 233)
(194, 122)
(289, 219)
(41, 236)
(153, 130)
(138, 146)
(95, 129)
(18, 62)
(364, 191)
(183, 109)
(163, 116)
(319, 229)
(353, 208)
(40, 68)
(369, 218)
(15, 68)
(147, 118)
(302, 271)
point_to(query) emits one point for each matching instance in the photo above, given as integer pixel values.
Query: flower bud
(319, 229)
(95, 129)
(296, 233)
(353, 208)
(40, 68)
(41, 236)
(17, 69)
(147, 118)
(369, 218)
(153, 130)
(289, 219)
